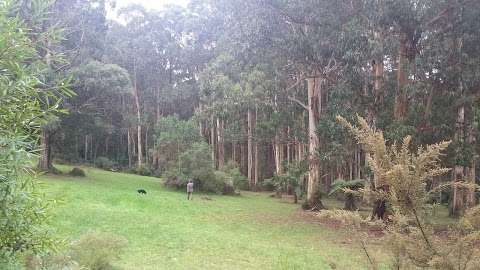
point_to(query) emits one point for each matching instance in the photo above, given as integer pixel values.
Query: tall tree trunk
(139, 117)
(220, 144)
(107, 138)
(288, 146)
(242, 159)
(234, 152)
(471, 173)
(250, 171)
(45, 161)
(314, 91)
(157, 99)
(213, 142)
(278, 154)
(85, 156)
(255, 165)
(146, 146)
(458, 200)
(400, 108)
(129, 148)
(378, 70)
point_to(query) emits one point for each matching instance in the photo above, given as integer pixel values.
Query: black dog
(142, 191)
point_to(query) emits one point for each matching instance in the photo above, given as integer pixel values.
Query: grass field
(165, 231)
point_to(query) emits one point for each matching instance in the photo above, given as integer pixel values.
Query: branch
(444, 12)
(299, 80)
(298, 102)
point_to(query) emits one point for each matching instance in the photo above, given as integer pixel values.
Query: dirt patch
(374, 230)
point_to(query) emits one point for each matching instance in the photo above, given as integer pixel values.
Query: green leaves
(28, 99)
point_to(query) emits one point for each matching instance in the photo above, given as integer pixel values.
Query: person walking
(189, 190)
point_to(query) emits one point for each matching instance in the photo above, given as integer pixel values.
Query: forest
(359, 114)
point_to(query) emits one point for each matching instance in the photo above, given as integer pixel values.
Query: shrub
(105, 163)
(60, 261)
(222, 183)
(175, 179)
(196, 164)
(23, 213)
(401, 175)
(239, 181)
(77, 172)
(97, 251)
(145, 171)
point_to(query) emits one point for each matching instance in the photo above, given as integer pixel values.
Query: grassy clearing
(165, 231)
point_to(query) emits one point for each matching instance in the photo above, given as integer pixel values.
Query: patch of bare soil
(374, 230)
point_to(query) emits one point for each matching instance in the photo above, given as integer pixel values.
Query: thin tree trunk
(277, 152)
(129, 148)
(85, 156)
(288, 146)
(76, 147)
(212, 142)
(250, 149)
(242, 158)
(471, 200)
(146, 146)
(157, 97)
(255, 178)
(45, 161)
(139, 118)
(220, 144)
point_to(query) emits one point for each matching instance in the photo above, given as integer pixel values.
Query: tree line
(263, 81)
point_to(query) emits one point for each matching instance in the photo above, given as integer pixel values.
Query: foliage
(97, 251)
(143, 170)
(349, 189)
(105, 163)
(25, 105)
(24, 212)
(56, 261)
(173, 136)
(291, 180)
(195, 163)
(232, 171)
(77, 172)
(400, 177)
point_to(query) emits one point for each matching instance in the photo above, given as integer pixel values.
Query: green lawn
(165, 231)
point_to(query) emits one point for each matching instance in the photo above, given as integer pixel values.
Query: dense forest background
(371, 99)
(262, 82)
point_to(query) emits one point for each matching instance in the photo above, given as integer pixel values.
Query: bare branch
(298, 102)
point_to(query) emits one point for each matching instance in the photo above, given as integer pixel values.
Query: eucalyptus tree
(294, 31)
(95, 109)
(72, 33)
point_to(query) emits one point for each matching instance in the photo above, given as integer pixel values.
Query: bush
(105, 163)
(77, 172)
(175, 179)
(97, 251)
(221, 184)
(239, 180)
(145, 171)
(23, 213)
(60, 261)
(195, 164)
